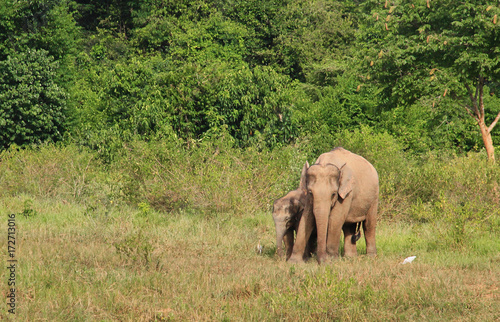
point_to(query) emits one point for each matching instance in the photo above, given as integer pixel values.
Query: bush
(50, 171)
(458, 186)
(206, 175)
(32, 105)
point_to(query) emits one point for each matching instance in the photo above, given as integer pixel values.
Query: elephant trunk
(321, 209)
(280, 234)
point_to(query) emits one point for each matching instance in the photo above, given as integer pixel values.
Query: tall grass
(165, 175)
(210, 176)
(215, 177)
(48, 171)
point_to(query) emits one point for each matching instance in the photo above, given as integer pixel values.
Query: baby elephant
(287, 212)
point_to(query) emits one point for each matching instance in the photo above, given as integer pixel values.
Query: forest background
(265, 73)
(169, 108)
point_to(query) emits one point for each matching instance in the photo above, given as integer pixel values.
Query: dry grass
(119, 263)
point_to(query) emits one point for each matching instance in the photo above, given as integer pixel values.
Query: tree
(40, 24)
(115, 15)
(32, 105)
(313, 40)
(437, 49)
(190, 78)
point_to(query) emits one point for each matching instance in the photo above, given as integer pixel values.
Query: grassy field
(115, 262)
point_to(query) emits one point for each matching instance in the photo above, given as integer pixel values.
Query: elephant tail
(357, 234)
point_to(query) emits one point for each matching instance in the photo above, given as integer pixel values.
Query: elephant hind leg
(349, 247)
(369, 226)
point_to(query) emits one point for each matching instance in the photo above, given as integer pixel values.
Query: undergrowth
(214, 176)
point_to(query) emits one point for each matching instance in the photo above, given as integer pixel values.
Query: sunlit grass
(123, 263)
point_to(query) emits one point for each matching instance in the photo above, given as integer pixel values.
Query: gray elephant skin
(287, 212)
(342, 191)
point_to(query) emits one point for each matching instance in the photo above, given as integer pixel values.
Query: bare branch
(469, 111)
(490, 128)
(473, 100)
(477, 88)
(480, 86)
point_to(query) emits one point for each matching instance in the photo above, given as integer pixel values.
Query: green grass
(116, 262)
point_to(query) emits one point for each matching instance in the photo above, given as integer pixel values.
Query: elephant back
(364, 172)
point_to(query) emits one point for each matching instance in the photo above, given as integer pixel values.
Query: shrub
(207, 175)
(50, 171)
(212, 175)
(32, 105)
(461, 192)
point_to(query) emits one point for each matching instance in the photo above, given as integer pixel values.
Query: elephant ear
(346, 181)
(303, 180)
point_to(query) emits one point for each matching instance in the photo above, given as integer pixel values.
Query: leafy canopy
(31, 104)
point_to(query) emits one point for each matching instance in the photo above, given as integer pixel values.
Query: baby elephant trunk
(280, 234)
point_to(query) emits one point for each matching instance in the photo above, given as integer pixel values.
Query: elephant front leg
(349, 247)
(336, 222)
(333, 240)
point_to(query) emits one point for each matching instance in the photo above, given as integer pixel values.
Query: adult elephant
(287, 212)
(342, 191)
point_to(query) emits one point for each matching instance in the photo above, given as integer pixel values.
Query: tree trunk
(488, 142)
(477, 112)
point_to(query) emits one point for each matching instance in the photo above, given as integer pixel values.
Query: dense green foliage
(430, 58)
(265, 72)
(31, 103)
